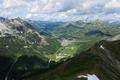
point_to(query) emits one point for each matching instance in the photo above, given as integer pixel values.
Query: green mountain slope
(102, 60)
(25, 50)
(80, 36)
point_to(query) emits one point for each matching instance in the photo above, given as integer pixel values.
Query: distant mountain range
(51, 24)
(44, 24)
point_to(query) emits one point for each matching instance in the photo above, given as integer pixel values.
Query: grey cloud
(59, 9)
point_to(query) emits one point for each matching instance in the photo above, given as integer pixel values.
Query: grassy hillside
(30, 50)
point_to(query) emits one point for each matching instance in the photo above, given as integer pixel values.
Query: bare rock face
(103, 60)
(21, 29)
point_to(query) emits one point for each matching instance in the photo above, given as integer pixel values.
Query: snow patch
(90, 77)
(101, 46)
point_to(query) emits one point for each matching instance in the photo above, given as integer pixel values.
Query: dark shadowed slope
(103, 60)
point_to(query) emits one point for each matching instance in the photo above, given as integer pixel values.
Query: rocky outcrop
(103, 60)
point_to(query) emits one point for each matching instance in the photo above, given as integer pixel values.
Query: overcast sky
(64, 10)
